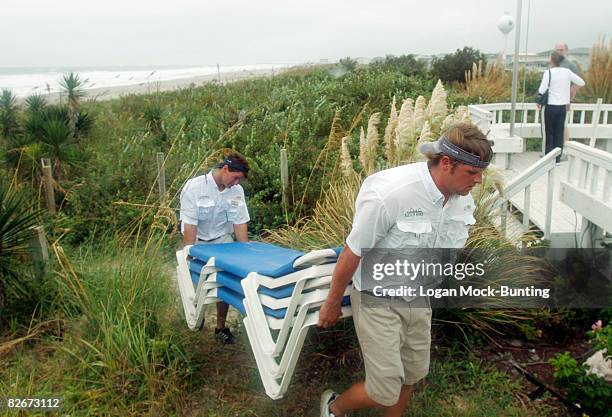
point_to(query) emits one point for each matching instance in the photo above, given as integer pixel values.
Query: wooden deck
(565, 222)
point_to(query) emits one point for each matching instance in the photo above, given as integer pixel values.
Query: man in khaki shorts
(424, 204)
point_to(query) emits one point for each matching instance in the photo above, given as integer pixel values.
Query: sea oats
(390, 130)
(419, 113)
(426, 133)
(345, 158)
(405, 131)
(363, 150)
(448, 122)
(437, 109)
(372, 141)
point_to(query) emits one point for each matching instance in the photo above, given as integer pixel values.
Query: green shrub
(591, 391)
(407, 65)
(452, 67)
(348, 64)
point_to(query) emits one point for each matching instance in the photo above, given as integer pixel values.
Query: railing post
(48, 181)
(550, 188)
(594, 178)
(596, 114)
(526, 205)
(570, 169)
(583, 173)
(161, 177)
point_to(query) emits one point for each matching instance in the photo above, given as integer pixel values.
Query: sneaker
(557, 164)
(224, 335)
(327, 398)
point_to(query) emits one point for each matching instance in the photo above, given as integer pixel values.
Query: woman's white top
(561, 79)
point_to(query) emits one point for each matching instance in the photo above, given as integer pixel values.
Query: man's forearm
(189, 234)
(343, 273)
(242, 232)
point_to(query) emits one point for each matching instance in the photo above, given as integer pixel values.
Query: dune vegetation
(100, 325)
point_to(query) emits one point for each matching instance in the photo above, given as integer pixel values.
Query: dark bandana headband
(237, 165)
(445, 147)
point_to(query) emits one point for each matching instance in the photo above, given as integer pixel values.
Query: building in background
(539, 61)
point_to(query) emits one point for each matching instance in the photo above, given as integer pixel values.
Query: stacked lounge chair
(278, 290)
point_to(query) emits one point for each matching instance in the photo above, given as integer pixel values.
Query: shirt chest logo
(412, 212)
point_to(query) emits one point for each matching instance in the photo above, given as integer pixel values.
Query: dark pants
(554, 121)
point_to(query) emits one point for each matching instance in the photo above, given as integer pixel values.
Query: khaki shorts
(395, 342)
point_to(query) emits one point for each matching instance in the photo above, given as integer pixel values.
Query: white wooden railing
(581, 119)
(545, 166)
(588, 190)
(590, 184)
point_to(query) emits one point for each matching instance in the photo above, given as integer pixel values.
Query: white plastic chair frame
(276, 369)
(275, 389)
(256, 312)
(194, 301)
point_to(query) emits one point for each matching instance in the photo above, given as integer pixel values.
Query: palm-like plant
(8, 114)
(58, 141)
(23, 155)
(16, 220)
(36, 112)
(35, 103)
(73, 87)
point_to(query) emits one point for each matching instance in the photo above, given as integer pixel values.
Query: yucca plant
(35, 103)
(73, 85)
(23, 155)
(8, 114)
(16, 220)
(58, 142)
(153, 116)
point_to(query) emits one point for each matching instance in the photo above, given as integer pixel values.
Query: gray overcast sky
(203, 32)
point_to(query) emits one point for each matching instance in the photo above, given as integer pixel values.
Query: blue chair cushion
(236, 300)
(241, 258)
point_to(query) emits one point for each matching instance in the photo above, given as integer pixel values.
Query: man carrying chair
(213, 207)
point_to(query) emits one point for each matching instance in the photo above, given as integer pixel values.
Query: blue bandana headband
(445, 147)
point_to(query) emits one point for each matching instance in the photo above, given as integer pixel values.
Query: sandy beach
(108, 93)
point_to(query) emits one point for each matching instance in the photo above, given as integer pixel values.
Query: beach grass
(119, 346)
(114, 341)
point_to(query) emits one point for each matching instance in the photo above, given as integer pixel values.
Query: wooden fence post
(40, 252)
(161, 177)
(48, 181)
